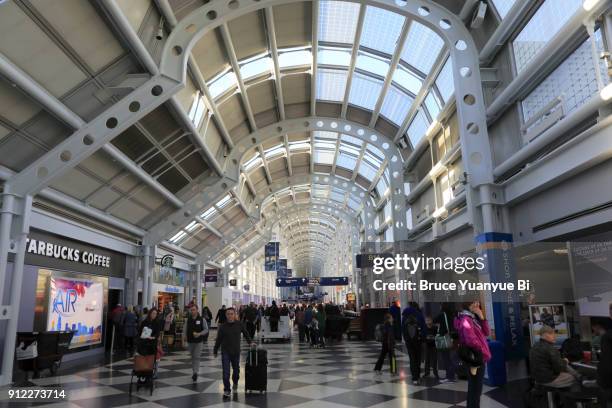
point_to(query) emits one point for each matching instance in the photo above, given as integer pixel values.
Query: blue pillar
(502, 307)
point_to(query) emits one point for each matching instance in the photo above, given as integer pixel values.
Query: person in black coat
(388, 345)
(274, 316)
(604, 367)
(148, 334)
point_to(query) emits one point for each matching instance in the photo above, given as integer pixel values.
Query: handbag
(444, 342)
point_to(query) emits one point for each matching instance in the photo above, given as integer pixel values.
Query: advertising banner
(271, 254)
(210, 275)
(76, 305)
(281, 268)
(552, 315)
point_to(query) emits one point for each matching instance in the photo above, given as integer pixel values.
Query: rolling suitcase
(256, 370)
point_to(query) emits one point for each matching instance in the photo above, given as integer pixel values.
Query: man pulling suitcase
(228, 339)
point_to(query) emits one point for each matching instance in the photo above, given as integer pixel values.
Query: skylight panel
(351, 139)
(336, 196)
(396, 105)
(375, 152)
(331, 84)
(256, 68)
(294, 59)
(275, 151)
(338, 21)
(224, 201)
(382, 186)
(407, 80)
(432, 104)
(365, 91)
(418, 128)
(178, 236)
(373, 160)
(444, 82)
(422, 47)
(223, 84)
(334, 56)
(368, 63)
(503, 7)
(381, 29)
(191, 226)
(346, 161)
(324, 156)
(198, 107)
(209, 213)
(254, 162)
(544, 24)
(367, 170)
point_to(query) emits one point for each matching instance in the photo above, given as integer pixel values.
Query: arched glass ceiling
(380, 36)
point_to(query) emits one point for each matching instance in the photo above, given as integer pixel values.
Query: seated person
(547, 366)
(572, 349)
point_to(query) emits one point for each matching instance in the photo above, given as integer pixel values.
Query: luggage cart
(283, 333)
(50, 349)
(145, 370)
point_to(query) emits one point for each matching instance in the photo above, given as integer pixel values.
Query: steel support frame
(277, 186)
(212, 194)
(161, 87)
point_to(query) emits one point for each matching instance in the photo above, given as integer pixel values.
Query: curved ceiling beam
(270, 223)
(205, 196)
(281, 184)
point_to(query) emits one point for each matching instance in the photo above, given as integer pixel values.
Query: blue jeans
(234, 360)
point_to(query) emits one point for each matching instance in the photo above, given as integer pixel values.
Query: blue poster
(271, 254)
(281, 268)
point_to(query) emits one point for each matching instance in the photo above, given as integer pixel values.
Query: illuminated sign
(48, 249)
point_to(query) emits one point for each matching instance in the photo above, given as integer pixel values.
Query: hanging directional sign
(322, 281)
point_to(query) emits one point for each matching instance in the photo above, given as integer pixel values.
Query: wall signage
(51, 250)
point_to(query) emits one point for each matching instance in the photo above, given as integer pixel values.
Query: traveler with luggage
(386, 335)
(195, 330)
(228, 339)
(149, 334)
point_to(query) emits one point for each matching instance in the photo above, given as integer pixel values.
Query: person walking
(446, 353)
(322, 318)
(130, 329)
(250, 318)
(299, 321)
(473, 330)
(274, 316)
(307, 320)
(396, 312)
(228, 339)
(221, 316)
(431, 354)
(388, 345)
(148, 334)
(195, 330)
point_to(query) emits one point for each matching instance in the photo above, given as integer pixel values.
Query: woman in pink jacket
(473, 330)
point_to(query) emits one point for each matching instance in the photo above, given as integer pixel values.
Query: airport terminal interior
(255, 154)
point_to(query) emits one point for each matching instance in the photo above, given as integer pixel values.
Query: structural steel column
(14, 229)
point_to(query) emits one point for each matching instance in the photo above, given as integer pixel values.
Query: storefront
(168, 295)
(70, 285)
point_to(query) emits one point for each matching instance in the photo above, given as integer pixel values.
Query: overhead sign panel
(322, 281)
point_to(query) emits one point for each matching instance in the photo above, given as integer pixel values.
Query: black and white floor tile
(338, 376)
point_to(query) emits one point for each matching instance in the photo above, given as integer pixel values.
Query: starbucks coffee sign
(67, 253)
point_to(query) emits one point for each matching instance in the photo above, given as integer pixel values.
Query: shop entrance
(165, 298)
(115, 297)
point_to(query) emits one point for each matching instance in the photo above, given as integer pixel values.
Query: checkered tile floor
(338, 376)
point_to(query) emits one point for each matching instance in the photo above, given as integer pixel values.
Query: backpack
(411, 329)
(379, 332)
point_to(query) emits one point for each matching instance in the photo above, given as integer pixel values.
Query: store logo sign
(48, 249)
